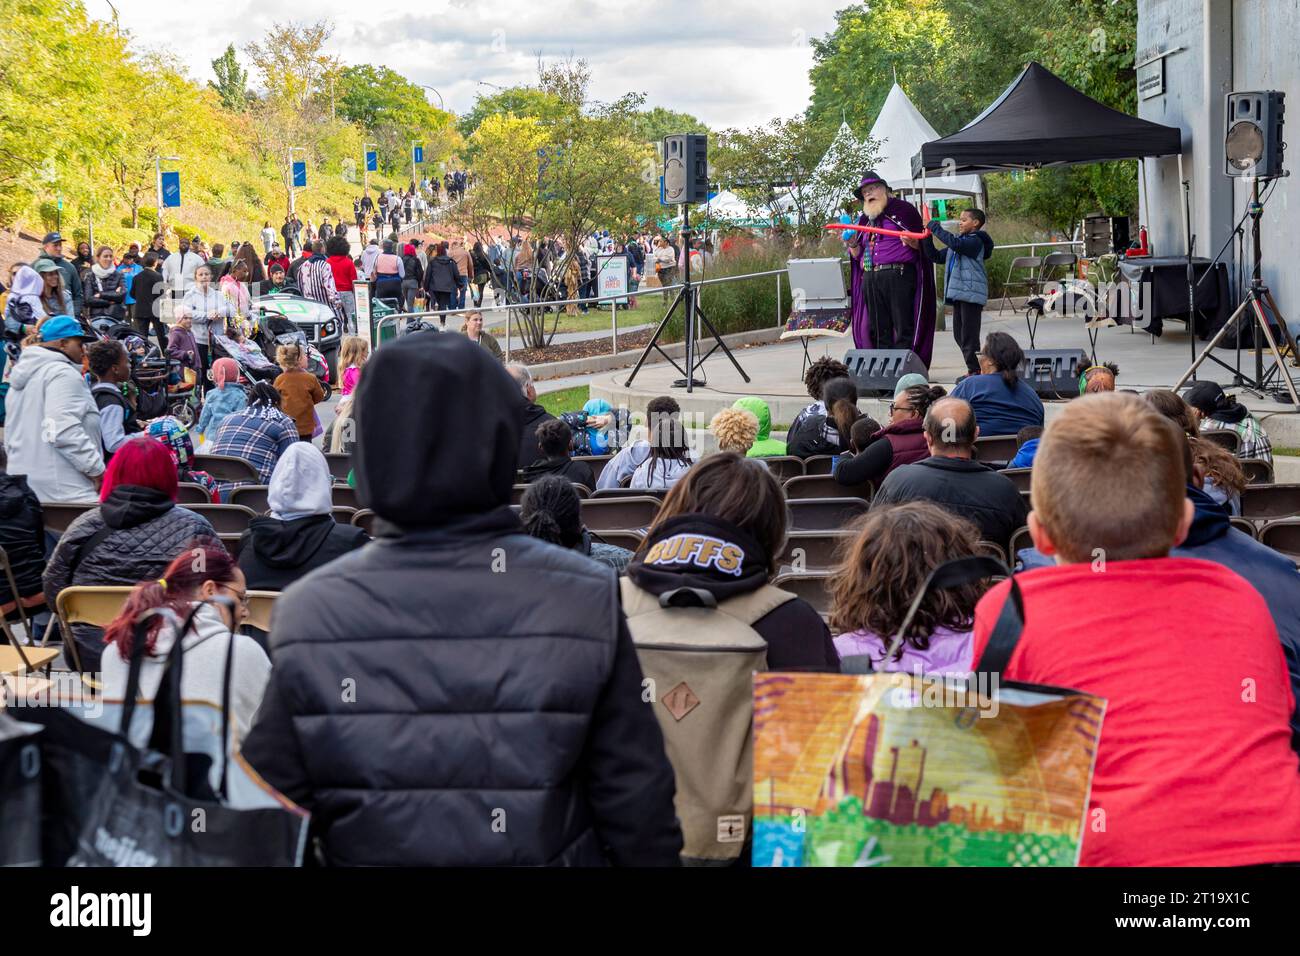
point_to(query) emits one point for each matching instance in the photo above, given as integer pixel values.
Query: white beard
(874, 207)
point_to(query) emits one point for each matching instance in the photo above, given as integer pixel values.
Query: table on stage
(1166, 279)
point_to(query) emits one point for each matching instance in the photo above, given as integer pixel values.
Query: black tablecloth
(1164, 278)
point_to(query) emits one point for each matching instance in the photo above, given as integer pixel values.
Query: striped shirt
(316, 279)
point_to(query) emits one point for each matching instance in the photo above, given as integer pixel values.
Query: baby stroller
(252, 361)
(162, 386)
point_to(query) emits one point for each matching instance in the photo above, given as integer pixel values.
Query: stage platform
(775, 372)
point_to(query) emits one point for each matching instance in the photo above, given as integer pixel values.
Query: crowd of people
(503, 653)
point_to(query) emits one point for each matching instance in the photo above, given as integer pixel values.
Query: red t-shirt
(1190, 771)
(345, 272)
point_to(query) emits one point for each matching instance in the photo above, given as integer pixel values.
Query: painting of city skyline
(868, 771)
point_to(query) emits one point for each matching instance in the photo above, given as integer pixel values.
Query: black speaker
(1054, 373)
(1252, 144)
(877, 371)
(686, 169)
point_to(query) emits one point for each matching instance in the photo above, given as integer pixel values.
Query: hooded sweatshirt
(727, 564)
(764, 445)
(578, 472)
(301, 534)
(428, 489)
(52, 427)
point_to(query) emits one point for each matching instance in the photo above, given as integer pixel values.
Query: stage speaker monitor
(877, 371)
(686, 169)
(1253, 145)
(1054, 373)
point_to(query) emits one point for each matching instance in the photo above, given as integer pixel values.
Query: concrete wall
(1229, 45)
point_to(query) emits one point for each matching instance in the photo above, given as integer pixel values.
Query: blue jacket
(1025, 456)
(964, 278)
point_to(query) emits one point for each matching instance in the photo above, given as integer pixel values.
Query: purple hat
(869, 179)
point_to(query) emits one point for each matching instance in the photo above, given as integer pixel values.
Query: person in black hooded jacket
(491, 710)
(300, 534)
(22, 535)
(555, 438)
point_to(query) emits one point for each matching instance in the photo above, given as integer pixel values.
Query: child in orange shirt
(299, 390)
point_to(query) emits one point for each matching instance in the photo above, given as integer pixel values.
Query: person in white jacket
(207, 582)
(52, 422)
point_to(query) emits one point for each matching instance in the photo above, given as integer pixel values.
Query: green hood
(758, 408)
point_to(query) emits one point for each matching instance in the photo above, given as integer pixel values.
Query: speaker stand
(687, 298)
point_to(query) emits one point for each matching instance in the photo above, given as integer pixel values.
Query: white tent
(899, 132)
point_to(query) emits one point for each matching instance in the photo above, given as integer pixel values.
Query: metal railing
(613, 299)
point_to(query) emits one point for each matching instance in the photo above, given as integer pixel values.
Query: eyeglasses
(241, 595)
(895, 407)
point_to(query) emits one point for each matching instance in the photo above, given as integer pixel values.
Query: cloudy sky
(729, 62)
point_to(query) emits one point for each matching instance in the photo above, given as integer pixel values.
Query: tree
(515, 100)
(779, 166)
(232, 81)
(292, 64)
(654, 124)
(395, 111)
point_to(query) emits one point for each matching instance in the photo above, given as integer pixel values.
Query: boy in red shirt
(1194, 766)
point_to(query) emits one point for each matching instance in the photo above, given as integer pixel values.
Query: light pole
(157, 169)
(292, 150)
(493, 85)
(441, 105)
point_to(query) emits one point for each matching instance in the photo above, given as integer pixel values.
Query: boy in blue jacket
(965, 283)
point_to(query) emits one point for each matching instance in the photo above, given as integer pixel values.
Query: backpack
(700, 661)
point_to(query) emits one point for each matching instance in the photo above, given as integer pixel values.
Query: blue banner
(372, 161)
(171, 189)
(299, 175)
(419, 155)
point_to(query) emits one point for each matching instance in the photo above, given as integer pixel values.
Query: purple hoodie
(949, 652)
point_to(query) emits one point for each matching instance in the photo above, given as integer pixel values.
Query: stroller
(162, 386)
(252, 361)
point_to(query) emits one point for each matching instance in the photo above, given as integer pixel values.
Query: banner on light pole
(171, 189)
(299, 175)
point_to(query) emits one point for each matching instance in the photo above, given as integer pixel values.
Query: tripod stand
(687, 298)
(1260, 304)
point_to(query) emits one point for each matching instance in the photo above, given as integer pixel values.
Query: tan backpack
(701, 662)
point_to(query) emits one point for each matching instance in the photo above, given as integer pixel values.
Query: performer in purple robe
(891, 285)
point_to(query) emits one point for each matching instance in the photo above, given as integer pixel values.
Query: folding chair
(602, 493)
(1029, 282)
(825, 486)
(614, 514)
(824, 514)
(809, 585)
(1245, 525)
(188, 493)
(1057, 266)
(226, 519)
(365, 519)
(626, 538)
(1020, 477)
(343, 514)
(1283, 536)
(784, 467)
(1270, 501)
(1258, 471)
(597, 463)
(517, 494)
(818, 464)
(993, 550)
(813, 550)
(84, 604)
(340, 465)
(1224, 437)
(57, 515)
(226, 467)
(251, 496)
(1019, 541)
(14, 657)
(995, 448)
(260, 604)
(345, 496)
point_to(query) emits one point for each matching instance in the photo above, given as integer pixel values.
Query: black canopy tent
(1038, 121)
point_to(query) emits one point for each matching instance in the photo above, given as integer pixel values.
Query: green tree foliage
(515, 100)
(232, 81)
(396, 113)
(953, 57)
(653, 125)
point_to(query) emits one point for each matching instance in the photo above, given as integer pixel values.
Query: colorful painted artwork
(893, 770)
